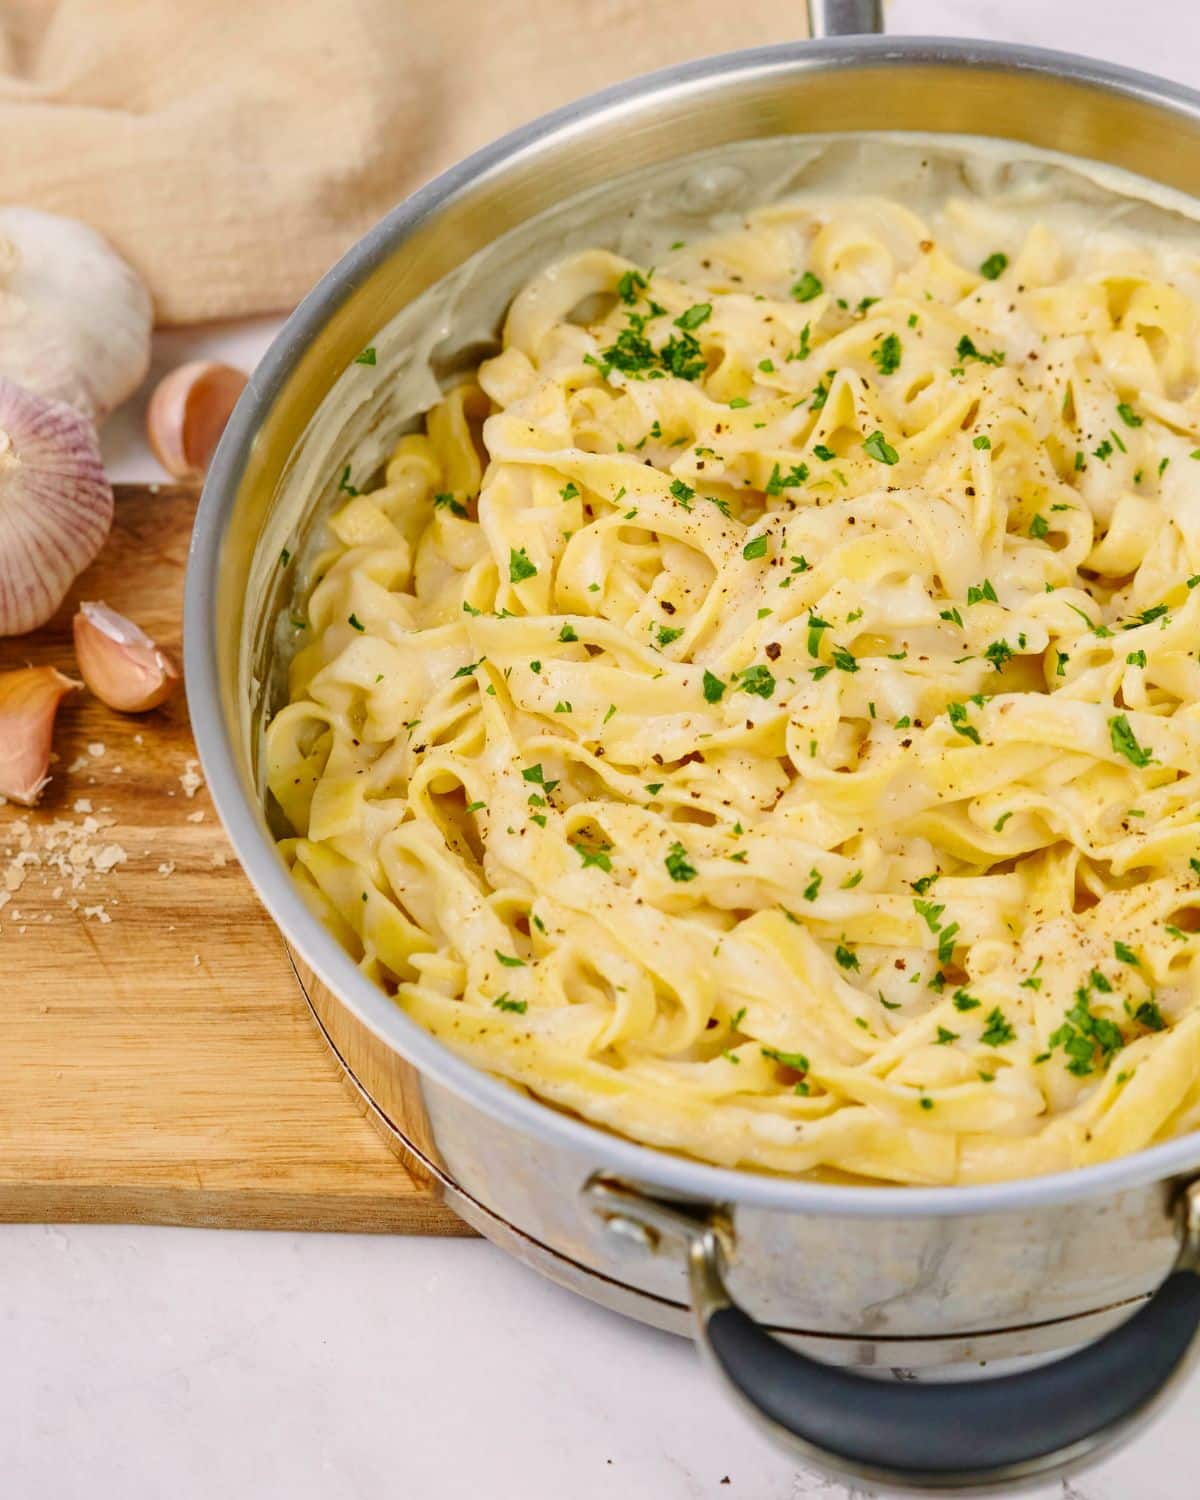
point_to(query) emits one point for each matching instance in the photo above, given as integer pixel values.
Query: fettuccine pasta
(759, 713)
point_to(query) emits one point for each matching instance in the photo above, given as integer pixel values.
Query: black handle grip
(959, 1434)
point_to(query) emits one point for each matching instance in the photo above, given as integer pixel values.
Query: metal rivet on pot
(629, 1229)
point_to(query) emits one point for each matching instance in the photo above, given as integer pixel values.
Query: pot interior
(630, 169)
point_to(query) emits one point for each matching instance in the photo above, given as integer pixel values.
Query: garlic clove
(187, 415)
(55, 504)
(119, 661)
(74, 317)
(29, 700)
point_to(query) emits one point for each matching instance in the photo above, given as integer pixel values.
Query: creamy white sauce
(640, 216)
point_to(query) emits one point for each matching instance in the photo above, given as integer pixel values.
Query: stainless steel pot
(906, 1281)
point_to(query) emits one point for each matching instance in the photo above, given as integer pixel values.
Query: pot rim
(656, 1168)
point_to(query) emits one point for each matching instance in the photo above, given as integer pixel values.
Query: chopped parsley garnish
(808, 287)
(946, 939)
(448, 502)
(945, 1037)
(887, 357)
(977, 592)
(629, 285)
(698, 313)
(999, 653)
(1125, 953)
(958, 722)
(845, 661)
(963, 1001)
(813, 889)
(995, 265)
(794, 1060)
(714, 688)
(1104, 450)
(669, 633)
(519, 565)
(1039, 526)
(931, 913)
(467, 670)
(965, 349)
(1124, 742)
(569, 491)
(597, 857)
(997, 1031)
(1136, 659)
(757, 680)
(683, 357)
(1081, 1033)
(518, 1007)
(355, 623)
(682, 493)
(632, 353)
(536, 775)
(367, 357)
(1128, 415)
(509, 963)
(755, 547)
(1148, 1015)
(982, 441)
(285, 557)
(846, 957)
(779, 481)
(826, 455)
(878, 448)
(344, 485)
(678, 866)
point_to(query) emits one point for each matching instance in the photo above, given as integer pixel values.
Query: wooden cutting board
(158, 1063)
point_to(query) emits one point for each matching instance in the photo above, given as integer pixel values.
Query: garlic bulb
(55, 505)
(187, 415)
(119, 661)
(74, 317)
(29, 700)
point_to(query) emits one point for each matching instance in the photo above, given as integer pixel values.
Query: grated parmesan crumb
(196, 817)
(96, 749)
(191, 781)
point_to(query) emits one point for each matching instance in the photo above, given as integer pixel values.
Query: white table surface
(145, 1363)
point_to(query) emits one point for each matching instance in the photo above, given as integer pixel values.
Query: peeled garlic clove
(119, 661)
(188, 413)
(28, 702)
(55, 505)
(74, 317)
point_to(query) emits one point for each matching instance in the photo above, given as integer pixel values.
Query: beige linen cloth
(233, 149)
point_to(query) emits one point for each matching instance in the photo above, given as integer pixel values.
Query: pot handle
(957, 1435)
(844, 17)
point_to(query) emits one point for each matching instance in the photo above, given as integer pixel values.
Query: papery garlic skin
(188, 412)
(56, 505)
(29, 700)
(119, 661)
(75, 319)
